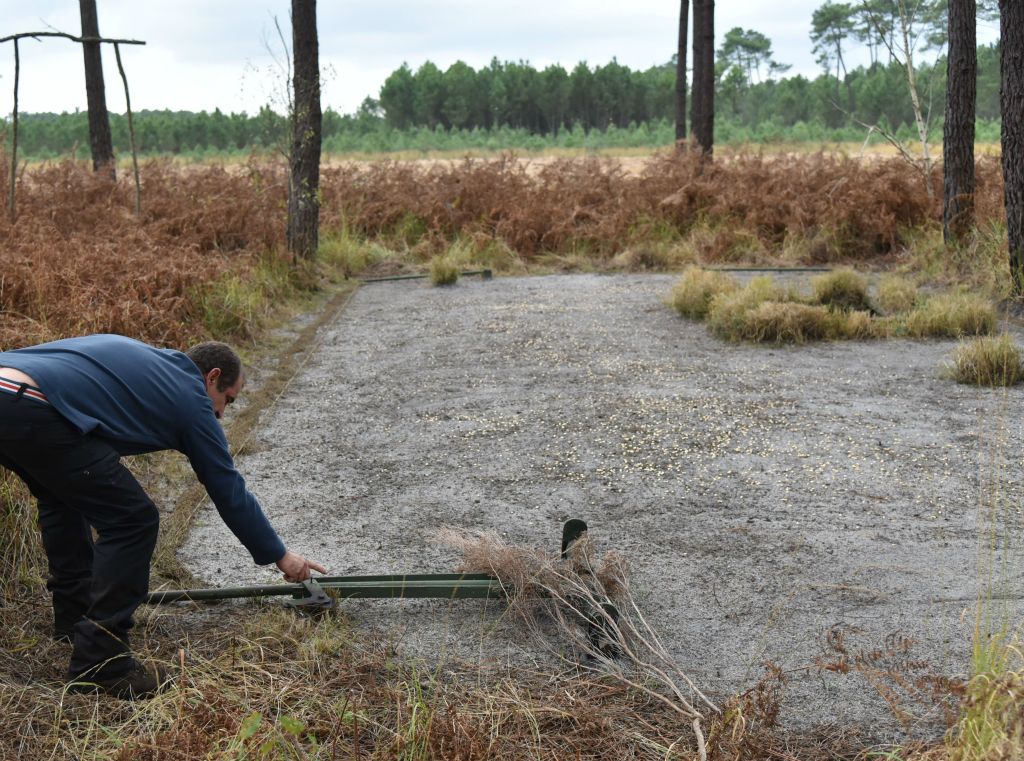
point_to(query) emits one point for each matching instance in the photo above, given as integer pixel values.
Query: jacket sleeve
(206, 447)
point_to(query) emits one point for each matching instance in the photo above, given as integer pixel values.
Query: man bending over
(69, 410)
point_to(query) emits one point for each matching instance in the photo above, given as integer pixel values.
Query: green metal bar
(426, 585)
(767, 269)
(485, 274)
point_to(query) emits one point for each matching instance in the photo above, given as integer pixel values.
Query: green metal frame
(455, 586)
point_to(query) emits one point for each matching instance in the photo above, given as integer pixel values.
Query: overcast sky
(204, 54)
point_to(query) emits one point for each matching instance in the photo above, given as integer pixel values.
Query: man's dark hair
(213, 354)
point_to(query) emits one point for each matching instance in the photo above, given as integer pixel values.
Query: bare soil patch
(783, 505)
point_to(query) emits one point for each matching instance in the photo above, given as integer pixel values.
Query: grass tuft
(953, 315)
(896, 294)
(842, 289)
(786, 322)
(692, 294)
(727, 312)
(988, 361)
(443, 271)
(348, 254)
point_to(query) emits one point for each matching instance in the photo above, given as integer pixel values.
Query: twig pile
(589, 604)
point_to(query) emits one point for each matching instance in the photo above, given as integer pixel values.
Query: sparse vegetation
(763, 312)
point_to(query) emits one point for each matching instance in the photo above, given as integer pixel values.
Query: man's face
(221, 399)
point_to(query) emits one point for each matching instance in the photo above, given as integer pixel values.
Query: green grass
(237, 305)
(348, 254)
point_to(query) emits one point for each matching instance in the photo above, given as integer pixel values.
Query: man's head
(222, 372)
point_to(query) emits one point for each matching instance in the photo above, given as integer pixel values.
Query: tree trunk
(684, 11)
(703, 118)
(304, 182)
(958, 133)
(1011, 99)
(99, 121)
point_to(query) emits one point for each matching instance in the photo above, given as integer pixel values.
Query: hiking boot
(138, 682)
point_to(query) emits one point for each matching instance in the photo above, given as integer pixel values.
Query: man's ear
(212, 376)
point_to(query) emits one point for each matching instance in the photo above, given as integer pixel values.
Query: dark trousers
(81, 485)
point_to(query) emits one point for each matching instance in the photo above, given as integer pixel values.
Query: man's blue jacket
(142, 399)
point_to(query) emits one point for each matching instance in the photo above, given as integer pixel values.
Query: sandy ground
(764, 496)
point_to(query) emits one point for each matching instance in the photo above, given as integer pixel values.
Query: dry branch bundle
(588, 603)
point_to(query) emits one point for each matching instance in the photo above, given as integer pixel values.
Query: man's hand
(297, 568)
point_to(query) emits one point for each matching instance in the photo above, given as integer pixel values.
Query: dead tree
(14, 38)
(1011, 100)
(958, 132)
(100, 142)
(703, 116)
(304, 181)
(684, 11)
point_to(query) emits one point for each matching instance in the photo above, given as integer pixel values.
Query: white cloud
(201, 54)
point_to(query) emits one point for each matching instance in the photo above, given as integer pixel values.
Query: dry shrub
(896, 294)
(77, 260)
(692, 294)
(742, 207)
(988, 361)
(590, 605)
(654, 256)
(952, 316)
(842, 289)
(725, 243)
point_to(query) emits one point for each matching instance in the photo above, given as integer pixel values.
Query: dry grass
(896, 295)
(952, 315)
(762, 312)
(205, 259)
(78, 261)
(988, 361)
(843, 289)
(443, 271)
(692, 294)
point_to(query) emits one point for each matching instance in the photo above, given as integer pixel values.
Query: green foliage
(349, 255)
(842, 289)
(236, 305)
(836, 310)
(480, 252)
(692, 294)
(988, 361)
(511, 105)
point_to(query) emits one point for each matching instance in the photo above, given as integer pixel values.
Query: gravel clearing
(763, 496)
